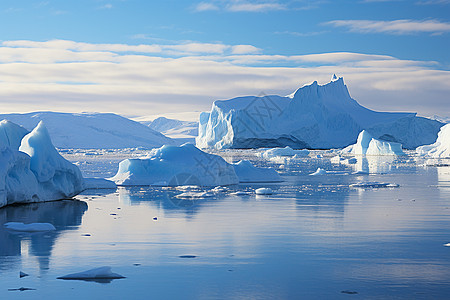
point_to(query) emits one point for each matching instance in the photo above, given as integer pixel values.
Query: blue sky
(138, 57)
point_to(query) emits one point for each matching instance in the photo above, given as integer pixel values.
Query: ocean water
(316, 237)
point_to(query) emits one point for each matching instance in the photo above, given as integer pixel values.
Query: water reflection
(64, 215)
(374, 164)
(162, 199)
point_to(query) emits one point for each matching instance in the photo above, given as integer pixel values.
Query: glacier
(439, 149)
(313, 117)
(91, 130)
(31, 169)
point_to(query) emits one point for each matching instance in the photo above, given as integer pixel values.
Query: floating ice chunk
(247, 173)
(99, 183)
(31, 227)
(177, 165)
(194, 195)
(23, 274)
(286, 151)
(264, 191)
(447, 245)
(367, 145)
(93, 274)
(337, 159)
(373, 185)
(319, 171)
(219, 189)
(441, 148)
(241, 193)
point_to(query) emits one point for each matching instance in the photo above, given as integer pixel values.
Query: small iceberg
(264, 191)
(31, 227)
(367, 145)
(319, 171)
(194, 195)
(102, 274)
(365, 185)
(248, 173)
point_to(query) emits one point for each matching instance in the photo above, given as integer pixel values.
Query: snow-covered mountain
(91, 130)
(315, 116)
(172, 127)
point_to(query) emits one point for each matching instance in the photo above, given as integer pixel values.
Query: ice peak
(334, 77)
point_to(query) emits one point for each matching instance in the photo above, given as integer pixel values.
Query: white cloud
(255, 7)
(393, 27)
(240, 6)
(72, 76)
(205, 6)
(433, 2)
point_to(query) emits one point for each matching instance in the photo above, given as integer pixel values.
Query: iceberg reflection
(64, 215)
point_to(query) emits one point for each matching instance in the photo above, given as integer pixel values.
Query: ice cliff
(315, 116)
(441, 148)
(31, 170)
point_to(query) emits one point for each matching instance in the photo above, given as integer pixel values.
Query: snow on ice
(315, 117)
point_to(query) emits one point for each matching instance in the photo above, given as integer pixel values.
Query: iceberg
(34, 171)
(187, 166)
(367, 145)
(174, 166)
(441, 148)
(314, 117)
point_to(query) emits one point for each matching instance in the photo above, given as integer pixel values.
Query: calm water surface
(315, 238)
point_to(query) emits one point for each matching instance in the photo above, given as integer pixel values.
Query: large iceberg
(367, 145)
(35, 171)
(441, 148)
(315, 116)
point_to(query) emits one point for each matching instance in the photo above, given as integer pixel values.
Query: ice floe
(93, 274)
(264, 191)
